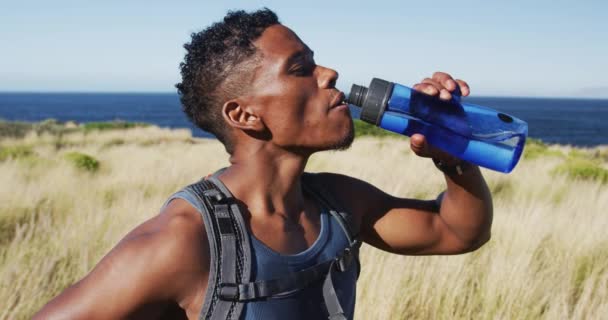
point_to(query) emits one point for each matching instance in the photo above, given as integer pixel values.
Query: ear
(238, 115)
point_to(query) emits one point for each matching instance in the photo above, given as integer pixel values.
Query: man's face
(297, 99)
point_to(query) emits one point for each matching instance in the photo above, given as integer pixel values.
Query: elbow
(482, 241)
(483, 236)
(477, 243)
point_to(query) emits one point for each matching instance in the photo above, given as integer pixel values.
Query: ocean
(579, 122)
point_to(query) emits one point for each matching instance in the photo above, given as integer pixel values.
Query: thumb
(418, 144)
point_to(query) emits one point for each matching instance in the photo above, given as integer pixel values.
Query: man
(254, 84)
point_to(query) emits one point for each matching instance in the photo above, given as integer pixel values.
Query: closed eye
(302, 63)
(302, 69)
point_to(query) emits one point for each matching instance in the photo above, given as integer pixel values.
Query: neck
(267, 181)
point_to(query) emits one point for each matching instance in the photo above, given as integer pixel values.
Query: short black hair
(215, 68)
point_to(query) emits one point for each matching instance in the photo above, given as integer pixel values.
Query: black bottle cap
(357, 94)
(372, 101)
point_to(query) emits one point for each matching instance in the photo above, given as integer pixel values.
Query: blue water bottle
(477, 134)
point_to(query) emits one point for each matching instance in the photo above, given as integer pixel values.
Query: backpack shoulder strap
(229, 247)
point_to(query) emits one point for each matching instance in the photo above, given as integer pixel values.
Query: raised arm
(460, 221)
(150, 271)
(419, 227)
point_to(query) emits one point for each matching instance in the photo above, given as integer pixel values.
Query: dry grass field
(66, 199)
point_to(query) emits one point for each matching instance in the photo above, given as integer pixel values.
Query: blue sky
(505, 48)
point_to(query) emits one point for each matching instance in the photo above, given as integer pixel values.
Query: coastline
(576, 122)
(17, 129)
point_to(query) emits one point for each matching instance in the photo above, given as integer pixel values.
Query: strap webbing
(330, 296)
(231, 247)
(228, 256)
(293, 282)
(200, 190)
(275, 287)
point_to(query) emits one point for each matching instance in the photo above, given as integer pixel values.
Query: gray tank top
(268, 264)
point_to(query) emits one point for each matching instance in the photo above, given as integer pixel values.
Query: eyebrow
(300, 54)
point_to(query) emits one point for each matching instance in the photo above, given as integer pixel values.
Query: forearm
(466, 207)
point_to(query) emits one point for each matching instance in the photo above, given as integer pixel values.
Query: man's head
(249, 78)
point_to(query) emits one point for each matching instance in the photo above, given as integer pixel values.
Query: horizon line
(175, 93)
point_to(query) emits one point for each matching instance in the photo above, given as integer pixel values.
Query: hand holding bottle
(443, 86)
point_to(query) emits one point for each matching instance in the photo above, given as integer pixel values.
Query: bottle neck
(355, 111)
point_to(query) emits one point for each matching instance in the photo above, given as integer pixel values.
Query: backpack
(229, 286)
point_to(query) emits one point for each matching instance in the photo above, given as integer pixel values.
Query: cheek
(291, 108)
(296, 108)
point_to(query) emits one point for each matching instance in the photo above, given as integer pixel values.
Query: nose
(327, 77)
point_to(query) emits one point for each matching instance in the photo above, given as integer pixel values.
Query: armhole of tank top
(194, 201)
(188, 197)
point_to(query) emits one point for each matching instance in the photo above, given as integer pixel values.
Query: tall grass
(547, 259)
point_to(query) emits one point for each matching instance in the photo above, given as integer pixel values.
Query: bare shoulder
(163, 261)
(178, 225)
(179, 231)
(176, 238)
(355, 195)
(176, 242)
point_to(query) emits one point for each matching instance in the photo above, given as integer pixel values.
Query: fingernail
(445, 95)
(450, 85)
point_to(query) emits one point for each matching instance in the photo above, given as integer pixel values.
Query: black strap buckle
(344, 260)
(215, 195)
(229, 291)
(347, 256)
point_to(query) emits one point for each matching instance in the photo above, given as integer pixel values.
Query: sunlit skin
(291, 99)
(291, 111)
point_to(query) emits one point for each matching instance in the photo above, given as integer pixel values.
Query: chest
(285, 236)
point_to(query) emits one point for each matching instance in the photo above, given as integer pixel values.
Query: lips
(337, 100)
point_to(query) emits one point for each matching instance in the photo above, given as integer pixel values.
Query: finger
(418, 145)
(445, 79)
(445, 94)
(432, 88)
(464, 87)
(426, 88)
(434, 83)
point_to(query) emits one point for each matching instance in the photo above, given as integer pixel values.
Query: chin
(339, 141)
(345, 141)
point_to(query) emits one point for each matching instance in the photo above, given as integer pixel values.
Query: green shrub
(577, 154)
(14, 129)
(15, 152)
(596, 154)
(50, 126)
(583, 169)
(17, 129)
(536, 148)
(83, 161)
(533, 151)
(534, 141)
(112, 125)
(366, 129)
